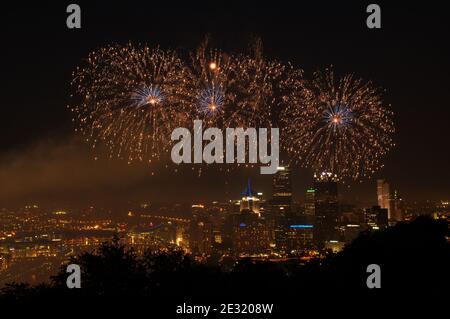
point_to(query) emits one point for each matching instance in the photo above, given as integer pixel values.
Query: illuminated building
(443, 205)
(248, 201)
(5, 261)
(326, 208)
(376, 217)
(282, 191)
(217, 236)
(293, 238)
(334, 245)
(200, 231)
(250, 234)
(310, 202)
(397, 207)
(263, 204)
(442, 211)
(383, 196)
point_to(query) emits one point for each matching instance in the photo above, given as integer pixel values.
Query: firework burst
(209, 91)
(211, 101)
(337, 125)
(233, 90)
(129, 99)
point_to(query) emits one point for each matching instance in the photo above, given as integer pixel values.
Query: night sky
(43, 160)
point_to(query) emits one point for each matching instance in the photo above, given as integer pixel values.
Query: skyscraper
(383, 196)
(249, 201)
(250, 234)
(310, 202)
(282, 191)
(397, 207)
(200, 231)
(326, 208)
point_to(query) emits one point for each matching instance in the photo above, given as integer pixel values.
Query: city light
(301, 226)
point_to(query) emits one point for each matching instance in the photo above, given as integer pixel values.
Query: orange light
(151, 100)
(212, 65)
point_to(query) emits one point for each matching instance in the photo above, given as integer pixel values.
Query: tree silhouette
(414, 258)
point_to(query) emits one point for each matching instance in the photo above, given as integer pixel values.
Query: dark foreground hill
(413, 258)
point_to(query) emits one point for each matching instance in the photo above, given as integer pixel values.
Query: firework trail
(261, 84)
(130, 100)
(337, 125)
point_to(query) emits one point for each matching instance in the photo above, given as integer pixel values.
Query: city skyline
(35, 240)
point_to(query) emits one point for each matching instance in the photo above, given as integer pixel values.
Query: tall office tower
(397, 207)
(249, 201)
(200, 231)
(310, 202)
(250, 234)
(376, 217)
(263, 204)
(282, 191)
(383, 196)
(326, 208)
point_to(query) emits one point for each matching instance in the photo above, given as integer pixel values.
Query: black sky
(42, 160)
